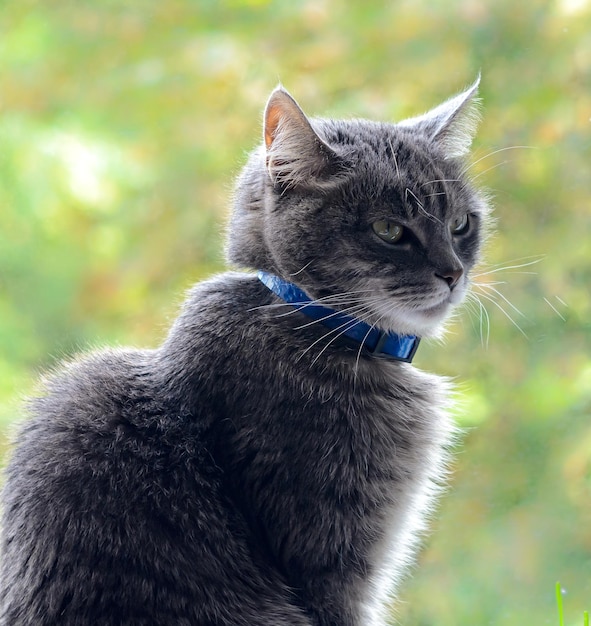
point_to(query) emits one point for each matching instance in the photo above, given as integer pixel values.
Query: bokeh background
(122, 126)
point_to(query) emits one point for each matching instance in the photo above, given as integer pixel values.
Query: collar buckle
(384, 337)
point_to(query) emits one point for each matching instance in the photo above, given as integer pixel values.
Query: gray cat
(273, 461)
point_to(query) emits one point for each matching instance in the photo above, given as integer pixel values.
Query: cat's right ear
(451, 125)
(295, 155)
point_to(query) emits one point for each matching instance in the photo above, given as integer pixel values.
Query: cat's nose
(451, 276)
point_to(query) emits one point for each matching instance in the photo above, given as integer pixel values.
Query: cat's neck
(368, 337)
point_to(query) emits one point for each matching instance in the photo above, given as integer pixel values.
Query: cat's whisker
(359, 308)
(483, 317)
(489, 154)
(504, 269)
(489, 298)
(337, 299)
(306, 266)
(349, 325)
(484, 314)
(362, 343)
(339, 330)
(395, 160)
(495, 290)
(469, 305)
(421, 207)
(409, 191)
(533, 258)
(441, 180)
(484, 322)
(555, 310)
(489, 169)
(346, 326)
(515, 266)
(490, 282)
(299, 307)
(345, 295)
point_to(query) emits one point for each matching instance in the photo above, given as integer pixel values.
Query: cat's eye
(390, 232)
(460, 225)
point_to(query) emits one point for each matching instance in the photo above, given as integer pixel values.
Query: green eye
(390, 232)
(460, 225)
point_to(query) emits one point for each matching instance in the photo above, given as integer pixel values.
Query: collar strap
(397, 347)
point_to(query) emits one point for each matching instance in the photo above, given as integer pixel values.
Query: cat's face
(378, 220)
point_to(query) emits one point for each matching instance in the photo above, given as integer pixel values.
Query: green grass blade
(586, 618)
(559, 604)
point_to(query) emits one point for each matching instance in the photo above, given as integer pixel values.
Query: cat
(273, 462)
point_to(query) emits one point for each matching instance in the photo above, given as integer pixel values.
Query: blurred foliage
(122, 126)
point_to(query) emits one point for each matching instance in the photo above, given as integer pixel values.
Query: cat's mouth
(424, 318)
(443, 307)
(422, 314)
(428, 318)
(436, 311)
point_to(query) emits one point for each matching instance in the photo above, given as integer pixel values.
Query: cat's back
(98, 453)
(111, 410)
(91, 417)
(114, 507)
(115, 420)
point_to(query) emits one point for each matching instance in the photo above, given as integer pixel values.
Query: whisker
(421, 207)
(395, 160)
(359, 308)
(489, 282)
(339, 330)
(362, 343)
(487, 316)
(409, 191)
(438, 193)
(491, 299)
(337, 298)
(483, 319)
(555, 309)
(349, 325)
(504, 268)
(301, 307)
(486, 156)
(535, 258)
(303, 269)
(441, 180)
(484, 285)
(484, 316)
(488, 169)
(318, 302)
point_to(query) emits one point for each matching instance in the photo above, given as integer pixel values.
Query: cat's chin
(423, 317)
(426, 322)
(431, 322)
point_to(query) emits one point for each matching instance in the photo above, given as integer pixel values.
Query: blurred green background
(122, 126)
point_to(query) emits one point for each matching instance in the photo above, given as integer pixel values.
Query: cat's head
(379, 220)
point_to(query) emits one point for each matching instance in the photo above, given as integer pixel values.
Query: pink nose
(451, 277)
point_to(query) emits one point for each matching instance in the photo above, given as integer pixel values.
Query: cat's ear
(295, 155)
(451, 125)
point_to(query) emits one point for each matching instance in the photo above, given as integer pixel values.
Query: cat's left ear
(296, 156)
(452, 125)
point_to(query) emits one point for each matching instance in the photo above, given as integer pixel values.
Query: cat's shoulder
(225, 294)
(82, 404)
(101, 422)
(218, 311)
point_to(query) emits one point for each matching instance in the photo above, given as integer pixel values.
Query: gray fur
(254, 469)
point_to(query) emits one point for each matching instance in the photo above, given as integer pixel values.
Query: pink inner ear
(272, 118)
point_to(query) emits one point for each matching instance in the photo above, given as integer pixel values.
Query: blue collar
(397, 347)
